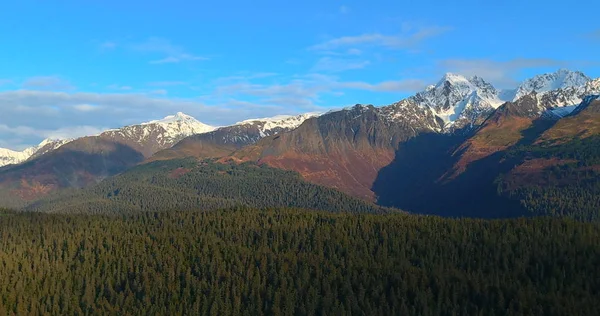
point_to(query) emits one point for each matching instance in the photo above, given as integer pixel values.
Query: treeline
(187, 184)
(571, 189)
(295, 262)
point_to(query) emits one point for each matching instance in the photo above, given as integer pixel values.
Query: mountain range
(452, 149)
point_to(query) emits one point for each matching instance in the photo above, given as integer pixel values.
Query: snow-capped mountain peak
(178, 117)
(182, 123)
(9, 157)
(457, 98)
(152, 136)
(561, 79)
(278, 123)
(453, 79)
(460, 101)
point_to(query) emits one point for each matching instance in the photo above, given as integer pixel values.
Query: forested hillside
(188, 184)
(295, 262)
(562, 180)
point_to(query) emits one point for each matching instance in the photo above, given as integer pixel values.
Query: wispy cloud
(410, 38)
(159, 92)
(86, 107)
(245, 76)
(167, 83)
(119, 87)
(306, 91)
(500, 73)
(34, 114)
(62, 133)
(172, 53)
(329, 64)
(408, 85)
(344, 9)
(47, 83)
(5, 81)
(108, 45)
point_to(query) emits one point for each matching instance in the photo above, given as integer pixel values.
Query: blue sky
(76, 67)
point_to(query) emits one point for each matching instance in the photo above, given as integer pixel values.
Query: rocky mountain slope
(151, 137)
(517, 163)
(453, 133)
(225, 140)
(342, 149)
(10, 157)
(348, 149)
(88, 160)
(146, 138)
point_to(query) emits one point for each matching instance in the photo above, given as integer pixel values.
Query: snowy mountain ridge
(164, 132)
(267, 125)
(453, 103)
(461, 102)
(11, 157)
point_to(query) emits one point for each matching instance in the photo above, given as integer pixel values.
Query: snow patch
(563, 111)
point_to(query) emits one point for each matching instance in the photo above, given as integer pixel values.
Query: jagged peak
(177, 117)
(560, 79)
(453, 79)
(280, 118)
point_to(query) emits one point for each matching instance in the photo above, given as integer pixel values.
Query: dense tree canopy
(188, 184)
(568, 189)
(282, 262)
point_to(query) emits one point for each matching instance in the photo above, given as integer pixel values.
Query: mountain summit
(459, 100)
(562, 79)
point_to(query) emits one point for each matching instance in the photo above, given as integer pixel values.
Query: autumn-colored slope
(77, 164)
(503, 129)
(343, 150)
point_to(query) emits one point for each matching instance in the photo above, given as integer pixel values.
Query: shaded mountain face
(343, 149)
(517, 163)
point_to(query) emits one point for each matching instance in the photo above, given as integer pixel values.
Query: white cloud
(159, 92)
(48, 82)
(173, 53)
(305, 91)
(344, 9)
(119, 87)
(34, 115)
(329, 64)
(74, 132)
(409, 85)
(62, 133)
(28, 116)
(407, 40)
(500, 73)
(167, 83)
(245, 76)
(86, 107)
